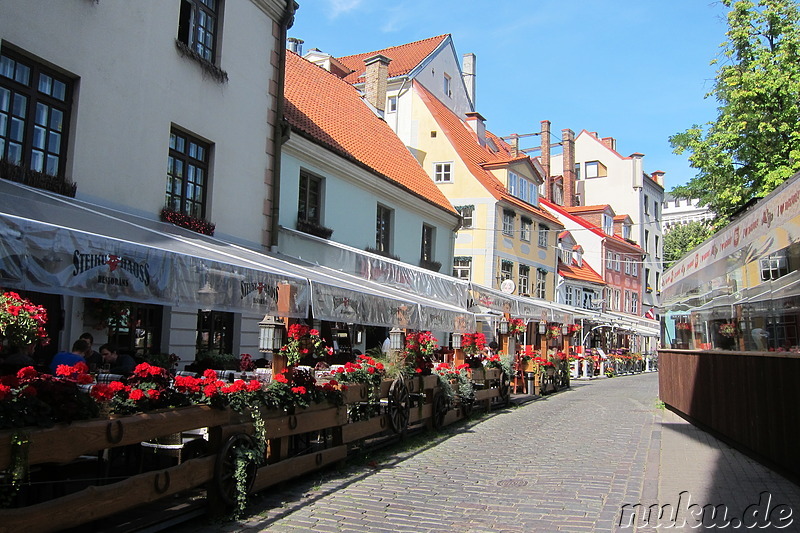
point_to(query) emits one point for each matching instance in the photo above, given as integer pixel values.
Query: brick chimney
(610, 143)
(568, 159)
(544, 139)
(658, 177)
(375, 80)
(468, 74)
(478, 125)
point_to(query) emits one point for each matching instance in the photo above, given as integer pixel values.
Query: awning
(49, 243)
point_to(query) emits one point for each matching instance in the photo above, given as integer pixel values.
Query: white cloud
(339, 7)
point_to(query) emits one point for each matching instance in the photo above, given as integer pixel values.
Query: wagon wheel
(399, 405)
(225, 467)
(505, 389)
(440, 409)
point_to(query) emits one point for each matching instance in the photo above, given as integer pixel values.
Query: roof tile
(404, 58)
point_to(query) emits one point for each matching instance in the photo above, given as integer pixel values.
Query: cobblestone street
(568, 462)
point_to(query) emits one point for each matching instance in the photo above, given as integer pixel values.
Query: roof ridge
(442, 36)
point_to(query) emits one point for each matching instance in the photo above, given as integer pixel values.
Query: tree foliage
(754, 144)
(683, 238)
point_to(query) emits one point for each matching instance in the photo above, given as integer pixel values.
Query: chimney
(544, 139)
(636, 167)
(295, 45)
(568, 159)
(375, 80)
(658, 177)
(478, 125)
(610, 143)
(468, 74)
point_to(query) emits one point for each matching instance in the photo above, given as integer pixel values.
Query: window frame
(541, 283)
(523, 277)
(525, 229)
(543, 236)
(208, 322)
(443, 172)
(508, 223)
(304, 199)
(461, 265)
(31, 89)
(383, 228)
(427, 243)
(193, 34)
(185, 157)
(467, 220)
(391, 104)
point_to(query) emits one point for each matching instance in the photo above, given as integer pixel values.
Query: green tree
(681, 239)
(754, 144)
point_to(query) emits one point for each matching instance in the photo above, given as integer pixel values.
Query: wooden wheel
(440, 408)
(225, 467)
(399, 405)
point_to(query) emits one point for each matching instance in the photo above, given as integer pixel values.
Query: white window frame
(467, 213)
(541, 284)
(609, 260)
(525, 229)
(508, 223)
(627, 265)
(462, 268)
(523, 275)
(543, 236)
(616, 262)
(608, 224)
(447, 85)
(391, 104)
(634, 303)
(443, 172)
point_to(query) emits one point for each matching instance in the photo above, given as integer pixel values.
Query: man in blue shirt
(78, 355)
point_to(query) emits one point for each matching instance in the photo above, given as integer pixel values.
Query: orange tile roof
(580, 273)
(477, 157)
(585, 208)
(404, 58)
(330, 112)
(576, 217)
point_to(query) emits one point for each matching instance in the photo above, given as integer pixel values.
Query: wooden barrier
(420, 396)
(748, 398)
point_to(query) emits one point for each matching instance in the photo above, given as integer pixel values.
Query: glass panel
(190, 190)
(15, 153)
(2, 147)
(169, 187)
(59, 90)
(5, 98)
(17, 129)
(170, 164)
(23, 74)
(56, 119)
(20, 105)
(45, 84)
(3, 126)
(41, 114)
(176, 189)
(52, 165)
(37, 160)
(38, 137)
(6, 67)
(178, 168)
(54, 142)
(201, 153)
(190, 173)
(180, 144)
(172, 141)
(192, 150)
(198, 176)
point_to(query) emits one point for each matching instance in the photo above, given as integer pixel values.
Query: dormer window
(447, 85)
(595, 169)
(579, 258)
(626, 231)
(608, 224)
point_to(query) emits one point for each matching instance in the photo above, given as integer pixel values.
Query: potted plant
(304, 343)
(419, 352)
(728, 329)
(516, 326)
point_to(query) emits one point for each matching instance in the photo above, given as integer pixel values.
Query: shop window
(187, 174)
(214, 332)
(132, 327)
(35, 105)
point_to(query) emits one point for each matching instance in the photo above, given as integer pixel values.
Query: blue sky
(635, 70)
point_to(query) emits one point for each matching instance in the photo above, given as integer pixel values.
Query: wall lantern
(504, 327)
(542, 327)
(564, 329)
(270, 334)
(455, 339)
(396, 339)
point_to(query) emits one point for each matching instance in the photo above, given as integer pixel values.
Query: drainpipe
(280, 133)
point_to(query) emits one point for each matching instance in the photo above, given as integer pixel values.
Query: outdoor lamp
(206, 296)
(542, 327)
(456, 340)
(504, 327)
(564, 329)
(396, 339)
(270, 334)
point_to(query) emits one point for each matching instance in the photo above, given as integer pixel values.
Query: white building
(677, 211)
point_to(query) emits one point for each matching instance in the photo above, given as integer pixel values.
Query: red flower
(30, 390)
(254, 385)
(280, 378)
(116, 386)
(101, 392)
(85, 379)
(5, 391)
(64, 370)
(153, 394)
(209, 374)
(27, 373)
(136, 395)
(299, 389)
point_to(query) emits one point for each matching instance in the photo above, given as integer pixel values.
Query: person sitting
(80, 348)
(94, 360)
(119, 363)
(19, 357)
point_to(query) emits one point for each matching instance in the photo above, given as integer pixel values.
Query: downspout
(281, 130)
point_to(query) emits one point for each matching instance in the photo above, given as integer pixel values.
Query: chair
(181, 446)
(108, 378)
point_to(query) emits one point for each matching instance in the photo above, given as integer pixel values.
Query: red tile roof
(580, 273)
(476, 157)
(404, 58)
(575, 216)
(330, 112)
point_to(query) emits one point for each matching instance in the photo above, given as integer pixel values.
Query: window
(446, 85)
(595, 169)
(214, 332)
(646, 239)
(524, 284)
(616, 299)
(187, 174)
(541, 283)
(462, 267)
(34, 114)
(635, 267)
(646, 205)
(513, 184)
(568, 295)
(626, 231)
(508, 222)
(577, 171)
(309, 203)
(428, 234)
(658, 282)
(442, 173)
(655, 247)
(136, 329)
(466, 212)
(566, 256)
(616, 262)
(627, 301)
(588, 299)
(627, 265)
(634, 303)
(543, 231)
(608, 224)
(609, 260)
(525, 229)
(391, 106)
(655, 209)
(383, 228)
(506, 270)
(197, 27)
(647, 286)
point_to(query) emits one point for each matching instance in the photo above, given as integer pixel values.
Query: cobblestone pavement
(568, 462)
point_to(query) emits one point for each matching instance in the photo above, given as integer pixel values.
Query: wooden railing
(398, 405)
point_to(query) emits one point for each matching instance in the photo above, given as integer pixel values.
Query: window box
(38, 180)
(188, 222)
(375, 251)
(313, 228)
(430, 265)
